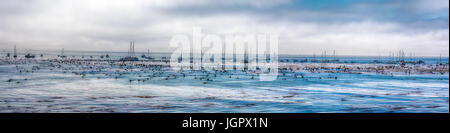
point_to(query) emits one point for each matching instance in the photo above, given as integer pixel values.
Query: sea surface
(58, 89)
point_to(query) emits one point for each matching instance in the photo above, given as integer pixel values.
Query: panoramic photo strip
(171, 57)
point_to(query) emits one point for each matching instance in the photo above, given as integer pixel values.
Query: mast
(390, 55)
(410, 56)
(15, 52)
(379, 57)
(129, 50)
(334, 54)
(132, 48)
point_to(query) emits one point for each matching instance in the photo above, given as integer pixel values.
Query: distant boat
(62, 54)
(148, 57)
(130, 56)
(304, 60)
(15, 52)
(28, 56)
(334, 60)
(129, 59)
(377, 61)
(165, 59)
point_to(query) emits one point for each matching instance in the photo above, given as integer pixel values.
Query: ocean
(40, 85)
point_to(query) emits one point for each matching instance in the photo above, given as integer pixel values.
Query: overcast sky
(351, 27)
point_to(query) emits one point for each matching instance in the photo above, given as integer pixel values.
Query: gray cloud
(359, 28)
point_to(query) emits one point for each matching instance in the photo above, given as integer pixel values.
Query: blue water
(112, 88)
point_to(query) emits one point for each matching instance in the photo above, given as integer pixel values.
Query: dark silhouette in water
(148, 57)
(15, 52)
(130, 56)
(28, 56)
(62, 54)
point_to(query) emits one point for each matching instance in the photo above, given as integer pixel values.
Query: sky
(349, 27)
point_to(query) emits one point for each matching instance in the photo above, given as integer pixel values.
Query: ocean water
(52, 54)
(106, 88)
